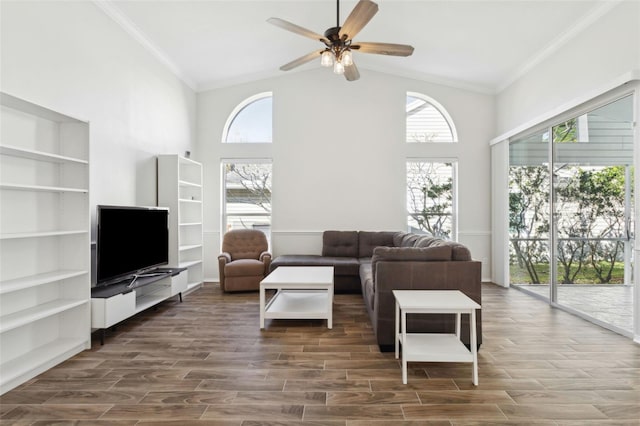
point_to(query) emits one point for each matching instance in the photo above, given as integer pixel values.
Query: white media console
(117, 302)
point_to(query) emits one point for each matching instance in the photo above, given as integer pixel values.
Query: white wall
(339, 157)
(604, 51)
(70, 57)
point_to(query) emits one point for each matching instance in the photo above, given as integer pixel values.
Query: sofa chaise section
(417, 268)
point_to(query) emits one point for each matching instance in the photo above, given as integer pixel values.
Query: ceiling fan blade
(351, 72)
(302, 60)
(384, 48)
(286, 25)
(358, 18)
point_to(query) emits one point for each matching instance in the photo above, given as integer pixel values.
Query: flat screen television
(130, 240)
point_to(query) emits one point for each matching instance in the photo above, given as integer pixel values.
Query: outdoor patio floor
(610, 303)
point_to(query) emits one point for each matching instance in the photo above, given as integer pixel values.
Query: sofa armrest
(223, 259)
(265, 257)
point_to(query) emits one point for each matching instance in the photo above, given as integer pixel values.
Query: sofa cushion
(340, 243)
(344, 265)
(341, 265)
(299, 260)
(407, 254)
(412, 253)
(244, 243)
(425, 241)
(459, 251)
(244, 268)
(404, 239)
(368, 240)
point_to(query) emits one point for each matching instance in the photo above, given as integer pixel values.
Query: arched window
(250, 121)
(428, 121)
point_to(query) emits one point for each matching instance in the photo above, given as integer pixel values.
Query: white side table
(435, 347)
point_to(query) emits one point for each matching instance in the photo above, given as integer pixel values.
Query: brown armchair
(244, 260)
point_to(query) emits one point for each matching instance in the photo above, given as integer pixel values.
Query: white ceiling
(476, 44)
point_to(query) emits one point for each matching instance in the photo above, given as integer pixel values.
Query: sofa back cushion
(404, 239)
(340, 243)
(244, 243)
(425, 241)
(368, 240)
(408, 254)
(458, 251)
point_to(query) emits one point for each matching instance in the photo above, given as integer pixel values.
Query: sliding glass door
(529, 256)
(571, 210)
(592, 203)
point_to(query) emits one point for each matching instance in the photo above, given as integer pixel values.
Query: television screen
(130, 240)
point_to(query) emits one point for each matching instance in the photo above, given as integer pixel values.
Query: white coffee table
(435, 347)
(303, 292)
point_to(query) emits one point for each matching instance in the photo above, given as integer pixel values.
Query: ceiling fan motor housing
(337, 44)
(333, 34)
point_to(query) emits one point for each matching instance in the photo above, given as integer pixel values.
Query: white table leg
(262, 302)
(404, 347)
(458, 321)
(330, 308)
(397, 335)
(474, 346)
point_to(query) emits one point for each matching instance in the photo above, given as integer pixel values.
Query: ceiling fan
(339, 42)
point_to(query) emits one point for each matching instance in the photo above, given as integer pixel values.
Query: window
(247, 195)
(571, 209)
(251, 121)
(428, 121)
(431, 198)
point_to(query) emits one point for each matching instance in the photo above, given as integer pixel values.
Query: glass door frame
(547, 125)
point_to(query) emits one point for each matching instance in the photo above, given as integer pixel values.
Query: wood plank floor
(205, 362)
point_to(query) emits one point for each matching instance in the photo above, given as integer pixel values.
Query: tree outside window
(589, 195)
(247, 195)
(431, 198)
(528, 222)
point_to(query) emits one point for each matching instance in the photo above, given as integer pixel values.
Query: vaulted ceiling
(475, 44)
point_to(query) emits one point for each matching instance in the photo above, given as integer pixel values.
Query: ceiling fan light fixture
(338, 41)
(326, 59)
(346, 58)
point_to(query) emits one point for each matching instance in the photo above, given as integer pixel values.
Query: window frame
(238, 109)
(454, 190)
(223, 193)
(442, 110)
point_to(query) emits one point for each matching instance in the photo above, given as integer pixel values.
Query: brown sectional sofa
(375, 263)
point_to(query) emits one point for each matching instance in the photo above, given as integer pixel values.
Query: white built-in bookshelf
(180, 189)
(45, 264)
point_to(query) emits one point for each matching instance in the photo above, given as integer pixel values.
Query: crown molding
(113, 12)
(569, 34)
